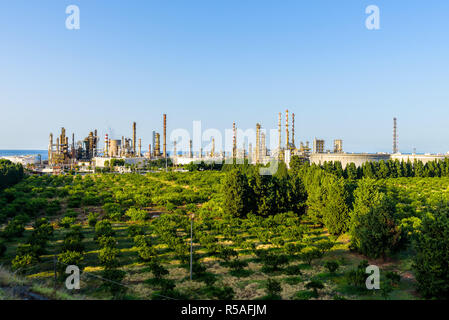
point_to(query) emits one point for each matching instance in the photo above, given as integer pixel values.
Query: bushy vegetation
(281, 236)
(10, 173)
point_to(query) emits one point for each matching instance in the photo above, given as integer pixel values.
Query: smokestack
(279, 132)
(122, 147)
(250, 152)
(293, 129)
(50, 148)
(212, 152)
(174, 148)
(234, 141)
(190, 150)
(395, 136)
(157, 149)
(257, 143)
(149, 151)
(165, 136)
(134, 139)
(140, 147)
(286, 130)
(106, 145)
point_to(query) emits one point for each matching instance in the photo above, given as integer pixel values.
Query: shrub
(112, 210)
(308, 254)
(66, 222)
(114, 285)
(103, 228)
(357, 277)
(226, 254)
(92, 219)
(431, 262)
(306, 295)
(70, 258)
(315, 285)
(135, 230)
(72, 243)
(137, 214)
(293, 270)
(142, 241)
(108, 257)
(273, 288)
(22, 261)
(15, 228)
(332, 266)
(273, 262)
(158, 270)
(147, 253)
(106, 241)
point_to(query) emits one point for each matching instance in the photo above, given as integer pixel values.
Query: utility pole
(191, 244)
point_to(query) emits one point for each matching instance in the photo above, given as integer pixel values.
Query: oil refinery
(86, 155)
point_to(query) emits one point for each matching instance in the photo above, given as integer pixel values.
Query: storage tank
(114, 146)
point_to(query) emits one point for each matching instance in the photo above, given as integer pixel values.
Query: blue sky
(223, 61)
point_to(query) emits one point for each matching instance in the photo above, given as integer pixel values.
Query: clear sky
(222, 61)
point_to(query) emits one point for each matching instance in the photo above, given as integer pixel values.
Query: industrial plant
(86, 155)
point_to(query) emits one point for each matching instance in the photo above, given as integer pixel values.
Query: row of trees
(246, 191)
(382, 169)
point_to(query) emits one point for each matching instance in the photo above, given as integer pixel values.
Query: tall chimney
(140, 147)
(149, 151)
(165, 135)
(279, 132)
(157, 148)
(234, 141)
(174, 149)
(395, 136)
(257, 143)
(286, 130)
(293, 129)
(106, 145)
(212, 152)
(190, 150)
(50, 148)
(134, 139)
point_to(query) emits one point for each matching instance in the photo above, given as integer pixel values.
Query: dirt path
(23, 293)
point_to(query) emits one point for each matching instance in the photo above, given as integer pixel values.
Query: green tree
(336, 211)
(237, 194)
(376, 232)
(431, 262)
(351, 171)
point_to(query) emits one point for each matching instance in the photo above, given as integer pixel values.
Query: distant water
(9, 153)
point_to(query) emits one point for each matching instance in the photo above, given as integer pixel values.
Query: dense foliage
(10, 173)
